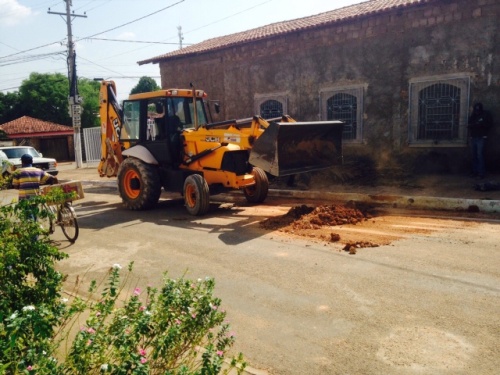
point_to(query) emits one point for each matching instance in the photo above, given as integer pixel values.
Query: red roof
(280, 28)
(25, 125)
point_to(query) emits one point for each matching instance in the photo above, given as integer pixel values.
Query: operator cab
(157, 123)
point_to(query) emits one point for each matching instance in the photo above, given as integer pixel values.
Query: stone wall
(382, 55)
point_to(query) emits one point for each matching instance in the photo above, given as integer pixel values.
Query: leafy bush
(5, 175)
(177, 329)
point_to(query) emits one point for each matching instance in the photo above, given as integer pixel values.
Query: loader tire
(139, 184)
(257, 193)
(196, 195)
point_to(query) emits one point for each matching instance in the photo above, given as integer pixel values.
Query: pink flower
(142, 352)
(220, 353)
(178, 322)
(98, 313)
(91, 330)
(29, 368)
(142, 308)
(89, 342)
(194, 316)
(143, 360)
(137, 291)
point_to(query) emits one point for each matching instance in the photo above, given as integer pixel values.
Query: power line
(137, 19)
(129, 41)
(100, 66)
(230, 16)
(24, 59)
(102, 32)
(29, 50)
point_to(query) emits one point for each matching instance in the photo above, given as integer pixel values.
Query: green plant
(30, 304)
(5, 175)
(178, 328)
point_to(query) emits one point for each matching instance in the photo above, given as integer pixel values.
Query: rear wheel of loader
(257, 193)
(139, 184)
(196, 195)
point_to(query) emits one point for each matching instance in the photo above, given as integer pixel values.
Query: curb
(398, 201)
(382, 200)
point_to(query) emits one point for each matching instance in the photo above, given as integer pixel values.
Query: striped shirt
(28, 181)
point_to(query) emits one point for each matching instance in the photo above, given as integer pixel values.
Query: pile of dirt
(310, 221)
(307, 217)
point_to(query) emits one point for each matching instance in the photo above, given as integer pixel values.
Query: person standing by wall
(480, 122)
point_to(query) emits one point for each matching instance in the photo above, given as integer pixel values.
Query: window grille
(438, 110)
(343, 106)
(271, 105)
(271, 109)
(345, 103)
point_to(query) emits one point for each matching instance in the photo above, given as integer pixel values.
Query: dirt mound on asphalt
(307, 217)
(316, 222)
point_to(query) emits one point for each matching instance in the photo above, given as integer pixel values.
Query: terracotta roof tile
(30, 125)
(280, 28)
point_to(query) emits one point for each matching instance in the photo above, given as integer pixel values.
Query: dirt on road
(353, 226)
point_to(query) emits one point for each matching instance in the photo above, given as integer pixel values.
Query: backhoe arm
(111, 126)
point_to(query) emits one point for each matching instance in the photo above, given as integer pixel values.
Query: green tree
(89, 91)
(9, 107)
(45, 97)
(145, 84)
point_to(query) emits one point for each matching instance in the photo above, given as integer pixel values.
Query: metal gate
(92, 141)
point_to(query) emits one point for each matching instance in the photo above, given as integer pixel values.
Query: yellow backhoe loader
(163, 139)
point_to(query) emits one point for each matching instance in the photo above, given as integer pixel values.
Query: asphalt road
(428, 303)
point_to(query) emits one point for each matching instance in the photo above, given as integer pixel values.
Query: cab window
(131, 121)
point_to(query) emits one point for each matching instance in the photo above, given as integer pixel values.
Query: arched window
(439, 112)
(271, 109)
(343, 106)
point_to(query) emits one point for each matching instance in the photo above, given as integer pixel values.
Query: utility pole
(75, 100)
(181, 38)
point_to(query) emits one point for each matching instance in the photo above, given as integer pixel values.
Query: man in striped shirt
(28, 178)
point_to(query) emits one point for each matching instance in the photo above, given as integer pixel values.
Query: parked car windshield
(16, 153)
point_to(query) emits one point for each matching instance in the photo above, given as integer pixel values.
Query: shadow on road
(226, 217)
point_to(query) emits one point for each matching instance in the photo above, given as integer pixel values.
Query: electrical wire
(29, 58)
(129, 41)
(133, 21)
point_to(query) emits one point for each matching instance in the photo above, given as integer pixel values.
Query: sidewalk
(434, 192)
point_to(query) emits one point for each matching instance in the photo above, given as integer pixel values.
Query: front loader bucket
(286, 148)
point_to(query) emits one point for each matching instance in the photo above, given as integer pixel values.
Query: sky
(115, 34)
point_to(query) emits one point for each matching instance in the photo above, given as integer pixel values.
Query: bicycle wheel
(47, 219)
(66, 218)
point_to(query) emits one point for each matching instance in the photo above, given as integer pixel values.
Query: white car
(14, 153)
(5, 164)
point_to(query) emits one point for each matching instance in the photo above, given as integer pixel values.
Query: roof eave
(159, 59)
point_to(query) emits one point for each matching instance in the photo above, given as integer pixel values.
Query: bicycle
(63, 215)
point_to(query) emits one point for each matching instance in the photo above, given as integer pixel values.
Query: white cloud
(13, 12)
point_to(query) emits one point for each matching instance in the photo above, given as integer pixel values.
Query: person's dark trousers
(478, 156)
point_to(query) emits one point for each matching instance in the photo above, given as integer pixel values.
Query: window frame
(356, 90)
(281, 97)
(415, 87)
